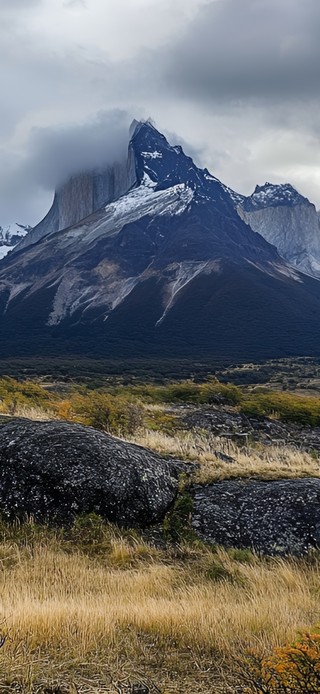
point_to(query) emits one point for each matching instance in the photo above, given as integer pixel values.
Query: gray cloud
(239, 49)
(13, 5)
(238, 80)
(56, 153)
(74, 3)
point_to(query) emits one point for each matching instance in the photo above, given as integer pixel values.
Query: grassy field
(92, 610)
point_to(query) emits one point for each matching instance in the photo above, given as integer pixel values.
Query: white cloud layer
(237, 79)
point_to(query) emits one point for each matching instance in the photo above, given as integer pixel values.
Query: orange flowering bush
(292, 669)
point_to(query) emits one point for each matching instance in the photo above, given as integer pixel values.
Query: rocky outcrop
(276, 518)
(228, 423)
(287, 220)
(53, 471)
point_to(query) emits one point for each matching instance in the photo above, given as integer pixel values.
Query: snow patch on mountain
(4, 250)
(152, 155)
(139, 202)
(11, 236)
(182, 274)
(145, 198)
(273, 195)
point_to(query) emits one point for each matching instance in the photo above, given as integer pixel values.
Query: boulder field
(53, 471)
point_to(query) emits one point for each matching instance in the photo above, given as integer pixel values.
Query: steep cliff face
(82, 195)
(287, 220)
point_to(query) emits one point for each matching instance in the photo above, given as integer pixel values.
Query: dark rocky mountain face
(82, 195)
(161, 266)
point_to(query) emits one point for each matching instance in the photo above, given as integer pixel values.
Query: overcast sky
(238, 81)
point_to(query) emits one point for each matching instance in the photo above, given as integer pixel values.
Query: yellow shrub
(292, 669)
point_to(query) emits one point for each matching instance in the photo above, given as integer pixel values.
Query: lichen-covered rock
(228, 423)
(55, 470)
(272, 517)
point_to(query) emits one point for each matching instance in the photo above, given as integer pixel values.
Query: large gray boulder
(272, 517)
(53, 471)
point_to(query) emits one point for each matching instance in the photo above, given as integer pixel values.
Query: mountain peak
(138, 125)
(11, 236)
(165, 166)
(273, 195)
(152, 162)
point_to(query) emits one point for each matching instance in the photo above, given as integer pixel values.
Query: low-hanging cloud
(53, 155)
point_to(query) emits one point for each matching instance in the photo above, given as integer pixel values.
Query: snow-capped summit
(167, 165)
(273, 195)
(288, 220)
(150, 158)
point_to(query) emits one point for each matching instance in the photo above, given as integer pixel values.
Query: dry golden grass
(131, 613)
(94, 615)
(34, 412)
(261, 461)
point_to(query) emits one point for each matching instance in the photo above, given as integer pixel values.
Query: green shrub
(161, 421)
(14, 393)
(177, 523)
(107, 412)
(218, 572)
(285, 406)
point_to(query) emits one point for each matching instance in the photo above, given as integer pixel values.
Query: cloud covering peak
(57, 153)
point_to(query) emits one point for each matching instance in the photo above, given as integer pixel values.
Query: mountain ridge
(166, 268)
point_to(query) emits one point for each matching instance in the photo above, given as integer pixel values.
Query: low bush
(284, 406)
(102, 411)
(25, 393)
(292, 669)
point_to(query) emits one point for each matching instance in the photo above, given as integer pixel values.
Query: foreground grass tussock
(269, 462)
(96, 608)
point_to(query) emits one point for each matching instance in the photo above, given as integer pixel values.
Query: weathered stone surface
(226, 422)
(81, 196)
(55, 470)
(293, 229)
(277, 518)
